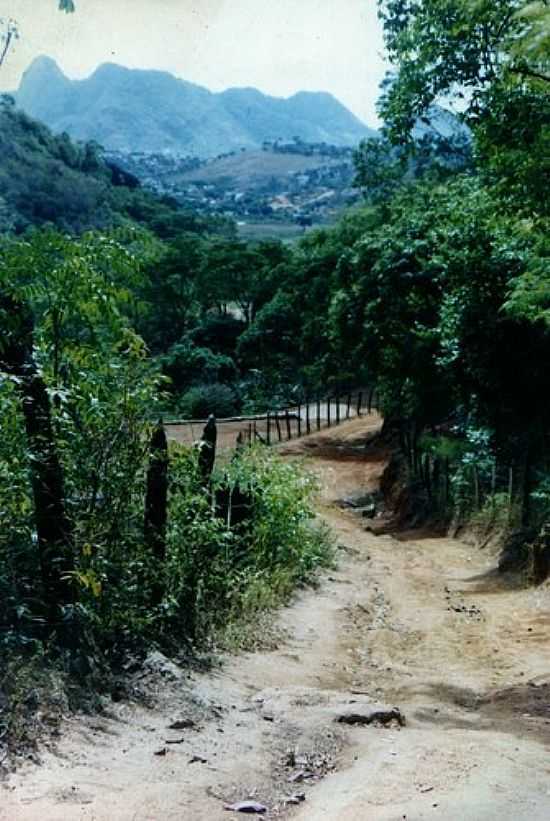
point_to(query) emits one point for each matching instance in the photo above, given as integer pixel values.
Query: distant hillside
(152, 111)
(249, 170)
(48, 179)
(442, 123)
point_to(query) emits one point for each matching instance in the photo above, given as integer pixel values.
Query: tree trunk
(52, 525)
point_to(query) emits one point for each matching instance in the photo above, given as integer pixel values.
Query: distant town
(289, 182)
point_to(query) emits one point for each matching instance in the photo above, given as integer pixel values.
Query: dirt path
(418, 623)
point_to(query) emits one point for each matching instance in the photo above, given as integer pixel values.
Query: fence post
(337, 409)
(371, 397)
(510, 490)
(477, 495)
(207, 451)
(278, 425)
(436, 481)
(318, 414)
(268, 428)
(328, 412)
(308, 421)
(299, 421)
(287, 420)
(427, 475)
(348, 408)
(156, 503)
(359, 402)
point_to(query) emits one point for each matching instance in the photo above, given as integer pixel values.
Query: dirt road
(419, 623)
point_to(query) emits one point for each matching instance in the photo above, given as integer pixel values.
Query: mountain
(442, 123)
(153, 111)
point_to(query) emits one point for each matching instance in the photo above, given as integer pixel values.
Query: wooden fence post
(359, 402)
(510, 490)
(308, 421)
(436, 481)
(268, 428)
(427, 475)
(477, 492)
(337, 409)
(328, 412)
(318, 414)
(207, 451)
(299, 420)
(348, 408)
(287, 420)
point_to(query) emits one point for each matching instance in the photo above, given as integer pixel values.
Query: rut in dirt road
(415, 623)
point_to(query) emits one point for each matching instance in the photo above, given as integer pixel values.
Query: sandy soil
(279, 430)
(416, 622)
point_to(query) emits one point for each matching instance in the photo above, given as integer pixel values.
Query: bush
(202, 400)
(219, 577)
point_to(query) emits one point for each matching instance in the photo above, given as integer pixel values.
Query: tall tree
(461, 50)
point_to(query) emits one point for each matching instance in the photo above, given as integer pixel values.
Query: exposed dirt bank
(420, 623)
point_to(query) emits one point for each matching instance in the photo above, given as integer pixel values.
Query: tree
(9, 31)
(8, 34)
(461, 50)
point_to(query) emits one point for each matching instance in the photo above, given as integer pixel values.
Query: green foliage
(491, 58)
(437, 292)
(202, 400)
(188, 364)
(232, 574)
(51, 180)
(452, 47)
(282, 534)
(103, 389)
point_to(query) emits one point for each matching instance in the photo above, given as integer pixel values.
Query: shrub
(202, 400)
(217, 575)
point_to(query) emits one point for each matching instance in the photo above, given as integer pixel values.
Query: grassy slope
(250, 169)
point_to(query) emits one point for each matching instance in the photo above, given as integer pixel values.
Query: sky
(278, 46)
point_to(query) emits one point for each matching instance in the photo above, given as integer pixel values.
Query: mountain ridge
(147, 110)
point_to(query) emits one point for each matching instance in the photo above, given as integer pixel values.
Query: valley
(278, 190)
(274, 448)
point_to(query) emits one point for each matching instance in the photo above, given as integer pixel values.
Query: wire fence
(280, 425)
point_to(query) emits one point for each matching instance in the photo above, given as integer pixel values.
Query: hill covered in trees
(153, 111)
(52, 180)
